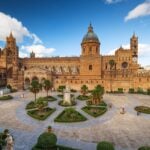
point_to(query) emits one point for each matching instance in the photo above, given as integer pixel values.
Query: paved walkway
(127, 132)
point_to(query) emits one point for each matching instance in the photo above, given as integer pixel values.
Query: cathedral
(120, 70)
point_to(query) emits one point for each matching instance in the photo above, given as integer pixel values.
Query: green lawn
(70, 115)
(36, 114)
(94, 111)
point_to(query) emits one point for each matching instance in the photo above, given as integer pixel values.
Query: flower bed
(70, 115)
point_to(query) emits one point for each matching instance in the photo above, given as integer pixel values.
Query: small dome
(90, 36)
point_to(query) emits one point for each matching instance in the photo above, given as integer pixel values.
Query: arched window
(90, 67)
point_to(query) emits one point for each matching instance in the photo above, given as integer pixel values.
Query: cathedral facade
(120, 70)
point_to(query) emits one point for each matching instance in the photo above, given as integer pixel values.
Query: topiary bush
(120, 90)
(105, 146)
(148, 91)
(46, 141)
(144, 148)
(131, 90)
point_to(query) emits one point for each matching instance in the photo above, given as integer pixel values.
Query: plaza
(126, 131)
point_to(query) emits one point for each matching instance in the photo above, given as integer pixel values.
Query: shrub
(148, 91)
(143, 109)
(105, 146)
(6, 97)
(46, 140)
(9, 86)
(131, 90)
(140, 91)
(61, 88)
(73, 90)
(120, 90)
(144, 148)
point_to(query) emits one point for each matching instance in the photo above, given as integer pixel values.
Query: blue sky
(56, 27)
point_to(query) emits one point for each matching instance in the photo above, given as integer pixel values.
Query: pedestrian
(9, 142)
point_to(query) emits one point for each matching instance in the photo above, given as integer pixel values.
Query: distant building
(91, 68)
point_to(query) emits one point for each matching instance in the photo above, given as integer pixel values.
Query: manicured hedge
(144, 148)
(104, 145)
(61, 103)
(70, 115)
(143, 109)
(50, 98)
(83, 97)
(6, 97)
(94, 111)
(46, 112)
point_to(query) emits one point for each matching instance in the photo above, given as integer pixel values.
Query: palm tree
(47, 85)
(97, 94)
(111, 63)
(35, 87)
(84, 89)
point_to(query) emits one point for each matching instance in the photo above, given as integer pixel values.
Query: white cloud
(38, 49)
(139, 11)
(144, 53)
(10, 24)
(112, 1)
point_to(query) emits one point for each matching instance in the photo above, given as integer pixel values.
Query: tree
(84, 89)
(111, 63)
(35, 87)
(47, 85)
(97, 94)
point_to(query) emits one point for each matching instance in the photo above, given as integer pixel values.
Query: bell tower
(12, 60)
(134, 48)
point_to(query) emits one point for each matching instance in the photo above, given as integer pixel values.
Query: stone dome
(90, 36)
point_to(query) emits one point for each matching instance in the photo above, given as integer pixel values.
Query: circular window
(124, 65)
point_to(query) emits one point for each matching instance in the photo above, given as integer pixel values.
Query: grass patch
(33, 104)
(6, 97)
(83, 97)
(70, 115)
(94, 111)
(36, 114)
(143, 109)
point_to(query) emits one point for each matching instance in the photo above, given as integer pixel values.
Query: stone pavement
(127, 132)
